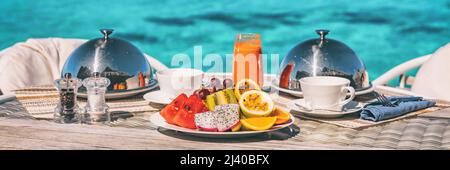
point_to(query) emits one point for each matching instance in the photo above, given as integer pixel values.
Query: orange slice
(258, 123)
(245, 85)
(237, 127)
(282, 115)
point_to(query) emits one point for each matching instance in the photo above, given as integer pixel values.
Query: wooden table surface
(44, 134)
(22, 132)
(41, 134)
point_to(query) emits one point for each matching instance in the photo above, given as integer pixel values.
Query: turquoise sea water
(383, 33)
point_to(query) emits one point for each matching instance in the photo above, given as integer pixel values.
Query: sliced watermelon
(169, 111)
(194, 105)
(179, 101)
(181, 111)
(185, 119)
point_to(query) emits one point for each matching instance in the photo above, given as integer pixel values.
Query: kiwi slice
(230, 96)
(221, 98)
(211, 102)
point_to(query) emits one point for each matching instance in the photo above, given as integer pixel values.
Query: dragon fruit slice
(206, 121)
(227, 116)
(222, 119)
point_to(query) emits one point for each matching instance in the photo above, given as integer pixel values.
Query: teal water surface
(383, 33)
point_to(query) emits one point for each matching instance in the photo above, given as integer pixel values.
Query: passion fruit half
(255, 103)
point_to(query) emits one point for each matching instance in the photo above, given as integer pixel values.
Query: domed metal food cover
(118, 60)
(322, 57)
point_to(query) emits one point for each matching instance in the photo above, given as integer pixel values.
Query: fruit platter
(223, 109)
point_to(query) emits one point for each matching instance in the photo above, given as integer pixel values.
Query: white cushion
(433, 78)
(39, 62)
(34, 62)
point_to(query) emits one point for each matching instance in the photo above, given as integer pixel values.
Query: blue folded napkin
(375, 111)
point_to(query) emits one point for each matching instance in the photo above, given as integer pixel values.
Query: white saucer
(158, 97)
(349, 108)
(295, 93)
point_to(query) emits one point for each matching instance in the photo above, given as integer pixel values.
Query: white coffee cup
(326, 92)
(179, 80)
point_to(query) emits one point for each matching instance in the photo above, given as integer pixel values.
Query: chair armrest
(157, 65)
(406, 80)
(400, 69)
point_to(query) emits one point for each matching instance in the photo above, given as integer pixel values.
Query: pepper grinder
(96, 109)
(67, 110)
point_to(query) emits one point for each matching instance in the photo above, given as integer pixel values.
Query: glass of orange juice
(247, 62)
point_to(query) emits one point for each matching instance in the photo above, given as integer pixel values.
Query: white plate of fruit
(234, 111)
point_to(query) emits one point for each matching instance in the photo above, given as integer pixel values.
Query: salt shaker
(96, 109)
(67, 110)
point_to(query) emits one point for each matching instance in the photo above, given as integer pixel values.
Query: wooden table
(20, 131)
(415, 133)
(34, 134)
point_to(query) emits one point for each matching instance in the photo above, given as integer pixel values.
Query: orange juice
(247, 62)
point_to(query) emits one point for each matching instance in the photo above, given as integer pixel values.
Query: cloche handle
(322, 33)
(106, 33)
